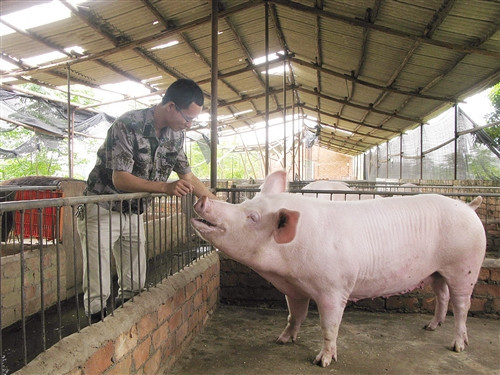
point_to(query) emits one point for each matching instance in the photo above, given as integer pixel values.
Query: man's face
(180, 119)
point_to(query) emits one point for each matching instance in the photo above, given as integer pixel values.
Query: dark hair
(183, 92)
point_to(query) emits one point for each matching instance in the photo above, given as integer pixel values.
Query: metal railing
(41, 264)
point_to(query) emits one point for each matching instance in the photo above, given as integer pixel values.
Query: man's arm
(129, 183)
(199, 189)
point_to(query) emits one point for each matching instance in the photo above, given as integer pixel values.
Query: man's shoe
(97, 317)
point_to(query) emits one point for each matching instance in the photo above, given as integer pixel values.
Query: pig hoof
(323, 359)
(459, 345)
(281, 341)
(432, 326)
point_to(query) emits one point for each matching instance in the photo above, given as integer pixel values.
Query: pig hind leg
(297, 309)
(442, 292)
(461, 305)
(461, 287)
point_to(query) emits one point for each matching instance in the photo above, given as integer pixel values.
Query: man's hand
(179, 188)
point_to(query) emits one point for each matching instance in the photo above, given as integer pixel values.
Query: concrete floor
(240, 341)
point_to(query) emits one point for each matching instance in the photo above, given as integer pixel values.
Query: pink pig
(333, 252)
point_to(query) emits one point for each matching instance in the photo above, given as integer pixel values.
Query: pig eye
(254, 217)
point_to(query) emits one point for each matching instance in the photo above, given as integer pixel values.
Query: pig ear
(275, 183)
(286, 225)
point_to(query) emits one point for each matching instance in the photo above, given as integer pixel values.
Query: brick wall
(11, 282)
(242, 286)
(145, 336)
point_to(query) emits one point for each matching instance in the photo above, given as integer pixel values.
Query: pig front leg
(330, 314)
(297, 309)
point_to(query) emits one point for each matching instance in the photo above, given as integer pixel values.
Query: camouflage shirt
(131, 145)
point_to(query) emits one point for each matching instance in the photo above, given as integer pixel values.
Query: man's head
(183, 92)
(180, 105)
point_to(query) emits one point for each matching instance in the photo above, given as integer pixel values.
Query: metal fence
(41, 264)
(488, 212)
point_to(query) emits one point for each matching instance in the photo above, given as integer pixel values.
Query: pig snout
(205, 222)
(201, 204)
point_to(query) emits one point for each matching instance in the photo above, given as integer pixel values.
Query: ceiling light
(37, 15)
(270, 57)
(43, 58)
(166, 45)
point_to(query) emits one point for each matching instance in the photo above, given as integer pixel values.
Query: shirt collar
(149, 123)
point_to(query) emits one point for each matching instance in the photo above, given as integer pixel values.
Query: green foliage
(41, 163)
(231, 165)
(79, 95)
(494, 131)
(484, 165)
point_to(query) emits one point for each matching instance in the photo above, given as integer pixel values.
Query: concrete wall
(242, 286)
(145, 336)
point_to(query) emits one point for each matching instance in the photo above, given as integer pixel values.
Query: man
(141, 149)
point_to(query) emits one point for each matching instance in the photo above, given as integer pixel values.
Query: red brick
(495, 274)
(160, 335)
(125, 343)
(197, 300)
(179, 298)
(193, 321)
(405, 303)
(198, 282)
(122, 367)
(187, 310)
(496, 305)
(477, 304)
(376, 304)
(190, 289)
(482, 289)
(141, 353)
(165, 310)
(146, 325)
(153, 363)
(428, 304)
(181, 334)
(175, 321)
(484, 274)
(100, 360)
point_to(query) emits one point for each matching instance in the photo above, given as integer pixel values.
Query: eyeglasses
(187, 119)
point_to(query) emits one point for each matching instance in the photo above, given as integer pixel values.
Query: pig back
(388, 245)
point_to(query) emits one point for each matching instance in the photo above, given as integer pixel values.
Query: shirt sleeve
(121, 148)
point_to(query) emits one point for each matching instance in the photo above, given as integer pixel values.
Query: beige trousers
(124, 234)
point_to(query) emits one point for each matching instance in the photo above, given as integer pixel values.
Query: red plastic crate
(31, 217)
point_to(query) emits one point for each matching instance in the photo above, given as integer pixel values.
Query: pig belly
(388, 287)
(287, 287)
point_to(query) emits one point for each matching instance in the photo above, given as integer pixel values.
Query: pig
(329, 186)
(333, 252)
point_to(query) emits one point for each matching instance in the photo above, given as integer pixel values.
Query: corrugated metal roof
(367, 69)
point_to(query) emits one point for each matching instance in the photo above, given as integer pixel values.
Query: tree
(50, 155)
(494, 131)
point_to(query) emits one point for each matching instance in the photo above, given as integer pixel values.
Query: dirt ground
(240, 340)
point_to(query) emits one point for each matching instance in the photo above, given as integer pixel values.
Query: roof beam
(437, 19)
(387, 30)
(369, 84)
(359, 106)
(138, 42)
